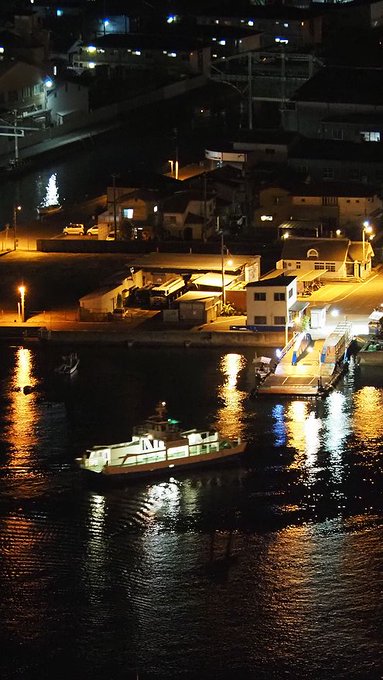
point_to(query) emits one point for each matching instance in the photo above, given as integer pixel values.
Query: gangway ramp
(302, 378)
(313, 372)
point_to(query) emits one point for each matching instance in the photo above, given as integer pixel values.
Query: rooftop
(276, 282)
(344, 85)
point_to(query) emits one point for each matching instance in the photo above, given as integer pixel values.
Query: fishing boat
(159, 444)
(69, 364)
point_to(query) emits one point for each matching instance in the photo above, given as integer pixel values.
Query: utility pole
(16, 138)
(204, 206)
(114, 207)
(223, 271)
(250, 91)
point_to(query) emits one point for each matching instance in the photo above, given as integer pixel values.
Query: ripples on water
(104, 583)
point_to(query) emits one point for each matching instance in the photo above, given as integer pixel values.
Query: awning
(307, 276)
(299, 306)
(375, 316)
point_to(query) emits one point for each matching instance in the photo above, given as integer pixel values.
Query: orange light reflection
(20, 430)
(368, 422)
(229, 417)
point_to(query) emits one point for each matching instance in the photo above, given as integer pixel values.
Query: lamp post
(22, 290)
(223, 272)
(367, 229)
(16, 209)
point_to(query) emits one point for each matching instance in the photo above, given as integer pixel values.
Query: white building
(270, 301)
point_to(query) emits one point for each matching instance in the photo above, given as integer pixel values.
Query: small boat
(69, 364)
(159, 444)
(263, 366)
(371, 353)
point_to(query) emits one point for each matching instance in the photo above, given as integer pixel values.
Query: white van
(74, 229)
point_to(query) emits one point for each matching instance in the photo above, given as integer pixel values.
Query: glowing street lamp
(229, 263)
(367, 229)
(22, 290)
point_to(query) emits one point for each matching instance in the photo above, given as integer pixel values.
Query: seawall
(138, 338)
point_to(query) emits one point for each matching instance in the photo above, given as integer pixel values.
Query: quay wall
(161, 338)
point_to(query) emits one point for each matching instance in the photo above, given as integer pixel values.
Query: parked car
(92, 231)
(111, 236)
(74, 229)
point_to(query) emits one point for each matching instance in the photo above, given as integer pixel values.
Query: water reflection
(165, 498)
(21, 427)
(298, 434)
(368, 422)
(95, 558)
(229, 416)
(337, 427)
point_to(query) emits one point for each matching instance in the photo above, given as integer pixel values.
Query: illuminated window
(370, 136)
(312, 253)
(128, 213)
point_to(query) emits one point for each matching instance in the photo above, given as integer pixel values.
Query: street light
(22, 290)
(367, 229)
(230, 263)
(16, 209)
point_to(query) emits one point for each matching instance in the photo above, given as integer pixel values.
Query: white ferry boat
(159, 444)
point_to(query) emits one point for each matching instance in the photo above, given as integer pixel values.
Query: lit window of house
(370, 136)
(312, 252)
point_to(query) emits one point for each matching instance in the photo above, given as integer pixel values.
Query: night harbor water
(132, 581)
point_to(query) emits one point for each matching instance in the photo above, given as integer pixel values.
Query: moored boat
(159, 444)
(69, 365)
(371, 353)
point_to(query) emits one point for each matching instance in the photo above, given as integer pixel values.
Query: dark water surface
(120, 583)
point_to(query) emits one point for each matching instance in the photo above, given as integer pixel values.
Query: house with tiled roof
(335, 258)
(189, 215)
